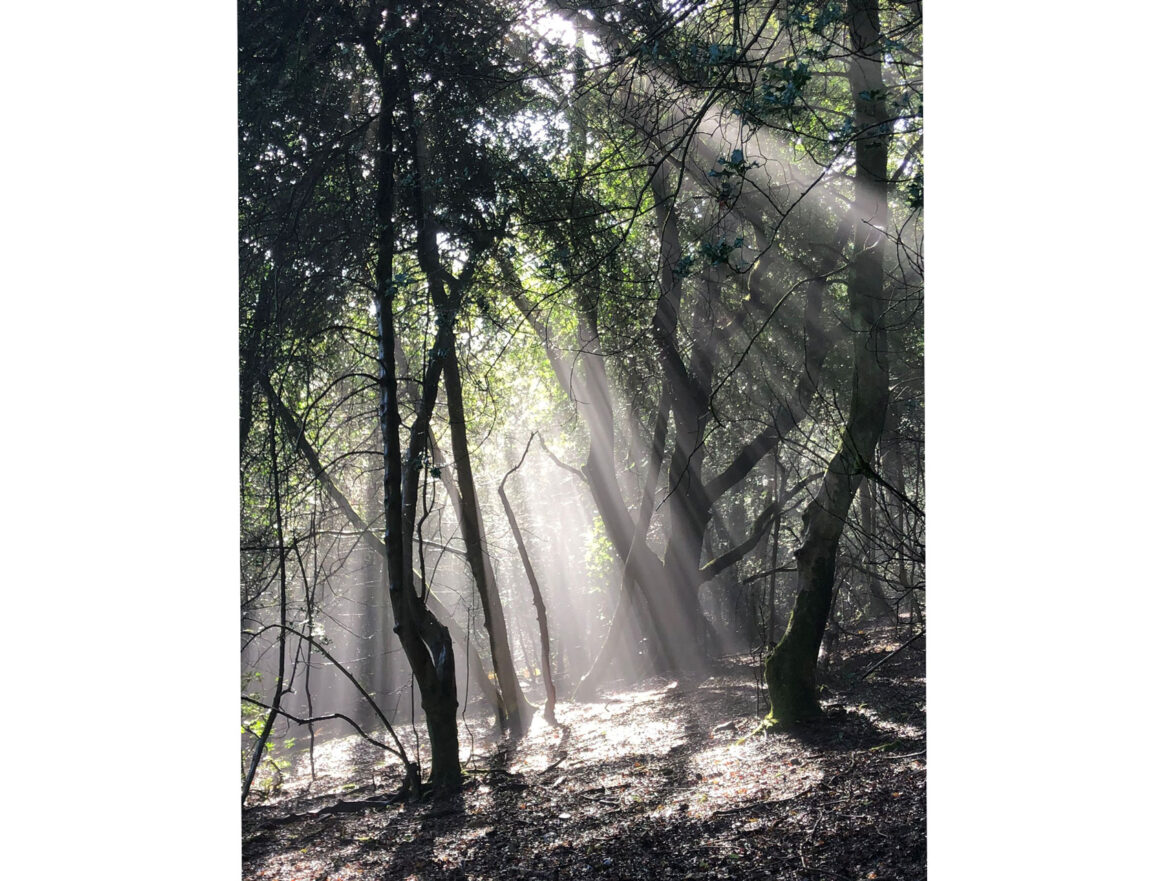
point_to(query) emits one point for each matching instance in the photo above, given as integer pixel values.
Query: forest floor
(660, 780)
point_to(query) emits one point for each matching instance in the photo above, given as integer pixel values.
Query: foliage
(636, 166)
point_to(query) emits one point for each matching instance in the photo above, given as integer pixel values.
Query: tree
(791, 666)
(698, 225)
(676, 119)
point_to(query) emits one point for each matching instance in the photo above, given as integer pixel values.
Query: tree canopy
(655, 267)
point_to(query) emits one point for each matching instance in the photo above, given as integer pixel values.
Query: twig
(554, 764)
(601, 801)
(749, 807)
(324, 718)
(550, 690)
(874, 666)
(832, 780)
(760, 575)
(576, 471)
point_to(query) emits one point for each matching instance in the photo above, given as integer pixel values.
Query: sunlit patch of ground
(897, 730)
(732, 774)
(656, 780)
(342, 764)
(634, 745)
(631, 723)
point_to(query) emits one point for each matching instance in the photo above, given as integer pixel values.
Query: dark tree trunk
(790, 669)
(688, 387)
(516, 708)
(425, 641)
(895, 469)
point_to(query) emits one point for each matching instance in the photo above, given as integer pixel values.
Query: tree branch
(730, 558)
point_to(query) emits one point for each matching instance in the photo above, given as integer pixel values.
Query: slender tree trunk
(518, 712)
(310, 584)
(879, 607)
(895, 469)
(790, 669)
(550, 690)
(262, 741)
(425, 641)
(780, 484)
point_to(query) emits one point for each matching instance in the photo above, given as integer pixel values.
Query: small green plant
(270, 773)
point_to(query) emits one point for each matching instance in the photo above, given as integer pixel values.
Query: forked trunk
(425, 641)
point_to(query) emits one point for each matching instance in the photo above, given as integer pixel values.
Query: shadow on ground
(654, 781)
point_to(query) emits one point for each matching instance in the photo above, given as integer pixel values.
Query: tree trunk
(426, 642)
(790, 669)
(550, 690)
(626, 600)
(688, 386)
(516, 708)
(879, 607)
(895, 469)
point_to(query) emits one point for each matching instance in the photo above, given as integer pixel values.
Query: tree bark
(517, 711)
(790, 669)
(550, 690)
(426, 642)
(294, 430)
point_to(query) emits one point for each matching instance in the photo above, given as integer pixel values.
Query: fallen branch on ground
(873, 667)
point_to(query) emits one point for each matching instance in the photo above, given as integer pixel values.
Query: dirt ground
(659, 780)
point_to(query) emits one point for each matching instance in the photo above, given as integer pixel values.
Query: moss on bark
(791, 667)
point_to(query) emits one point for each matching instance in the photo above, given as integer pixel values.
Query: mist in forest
(603, 372)
(340, 585)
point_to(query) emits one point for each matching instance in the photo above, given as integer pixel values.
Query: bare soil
(660, 780)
